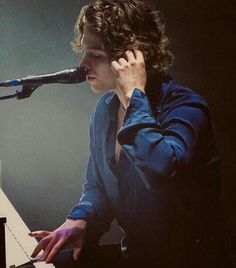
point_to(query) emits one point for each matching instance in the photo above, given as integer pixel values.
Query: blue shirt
(164, 189)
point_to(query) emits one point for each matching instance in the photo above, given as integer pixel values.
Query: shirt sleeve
(159, 149)
(94, 205)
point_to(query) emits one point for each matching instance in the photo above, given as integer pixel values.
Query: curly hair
(127, 25)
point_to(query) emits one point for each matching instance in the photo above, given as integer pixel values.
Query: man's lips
(90, 77)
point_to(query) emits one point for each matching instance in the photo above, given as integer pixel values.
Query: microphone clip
(25, 92)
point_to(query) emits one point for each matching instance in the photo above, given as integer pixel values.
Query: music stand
(3, 220)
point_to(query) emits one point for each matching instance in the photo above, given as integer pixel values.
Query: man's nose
(85, 63)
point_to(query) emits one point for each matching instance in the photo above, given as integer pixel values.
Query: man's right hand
(70, 232)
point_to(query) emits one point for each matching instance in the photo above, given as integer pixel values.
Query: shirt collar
(113, 103)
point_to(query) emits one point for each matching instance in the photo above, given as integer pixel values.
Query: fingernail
(75, 257)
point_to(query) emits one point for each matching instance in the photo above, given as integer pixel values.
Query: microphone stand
(24, 93)
(2, 242)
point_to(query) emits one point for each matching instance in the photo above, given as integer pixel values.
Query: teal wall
(43, 139)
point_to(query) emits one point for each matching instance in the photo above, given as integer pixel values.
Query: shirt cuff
(79, 214)
(138, 115)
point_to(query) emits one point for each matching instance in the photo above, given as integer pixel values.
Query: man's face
(96, 60)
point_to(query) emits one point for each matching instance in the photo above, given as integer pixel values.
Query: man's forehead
(90, 39)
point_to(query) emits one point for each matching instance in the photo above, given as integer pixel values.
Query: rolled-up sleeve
(159, 148)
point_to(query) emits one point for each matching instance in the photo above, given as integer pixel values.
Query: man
(153, 164)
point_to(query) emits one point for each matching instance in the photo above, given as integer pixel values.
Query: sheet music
(19, 252)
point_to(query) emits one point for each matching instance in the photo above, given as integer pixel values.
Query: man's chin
(98, 90)
(95, 90)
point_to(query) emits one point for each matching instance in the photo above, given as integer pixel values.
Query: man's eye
(96, 56)
(92, 55)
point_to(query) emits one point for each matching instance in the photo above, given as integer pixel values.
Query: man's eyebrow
(95, 49)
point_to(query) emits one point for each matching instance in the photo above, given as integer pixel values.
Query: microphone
(67, 76)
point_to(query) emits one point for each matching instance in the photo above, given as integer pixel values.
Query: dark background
(44, 139)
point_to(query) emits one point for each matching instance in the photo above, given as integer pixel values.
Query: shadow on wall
(201, 37)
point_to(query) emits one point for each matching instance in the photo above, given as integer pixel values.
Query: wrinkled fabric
(164, 190)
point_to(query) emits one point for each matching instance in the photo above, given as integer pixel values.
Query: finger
(138, 55)
(77, 249)
(115, 66)
(55, 249)
(48, 248)
(76, 253)
(130, 56)
(41, 245)
(122, 61)
(39, 233)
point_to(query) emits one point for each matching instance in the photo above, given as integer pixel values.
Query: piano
(18, 245)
